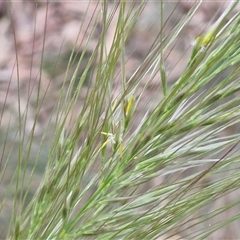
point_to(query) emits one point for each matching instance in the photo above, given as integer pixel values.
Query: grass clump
(114, 172)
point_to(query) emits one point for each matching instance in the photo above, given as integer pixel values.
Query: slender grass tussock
(113, 126)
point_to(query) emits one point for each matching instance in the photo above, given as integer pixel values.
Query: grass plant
(106, 177)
